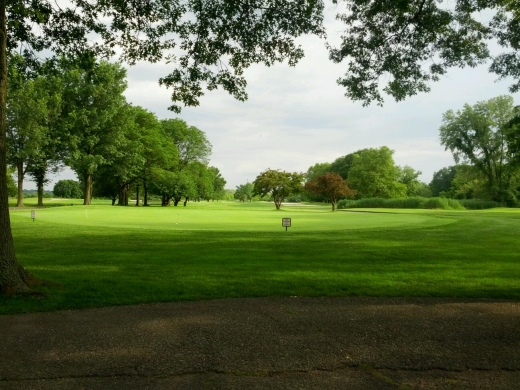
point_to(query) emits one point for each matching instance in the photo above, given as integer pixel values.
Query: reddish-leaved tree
(331, 186)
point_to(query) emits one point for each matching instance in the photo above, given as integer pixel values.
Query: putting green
(229, 217)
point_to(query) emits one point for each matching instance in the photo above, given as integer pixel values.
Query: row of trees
(80, 118)
(484, 140)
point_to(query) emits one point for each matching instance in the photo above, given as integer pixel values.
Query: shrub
(402, 203)
(478, 204)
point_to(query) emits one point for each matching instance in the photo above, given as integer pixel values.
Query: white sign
(286, 222)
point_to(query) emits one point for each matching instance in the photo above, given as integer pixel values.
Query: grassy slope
(105, 255)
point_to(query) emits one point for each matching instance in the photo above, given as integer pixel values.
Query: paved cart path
(266, 343)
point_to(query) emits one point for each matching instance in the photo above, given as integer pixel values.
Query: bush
(68, 189)
(402, 203)
(478, 204)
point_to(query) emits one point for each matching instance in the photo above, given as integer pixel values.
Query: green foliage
(395, 40)
(402, 203)
(442, 180)
(374, 174)
(410, 178)
(278, 184)
(478, 135)
(443, 204)
(229, 195)
(12, 189)
(342, 165)
(68, 189)
(95, 112)
(218, 183)
(191, 142)
(244, 192)
(316, 170)
(478, 204)
(33, 136)
(423, 190)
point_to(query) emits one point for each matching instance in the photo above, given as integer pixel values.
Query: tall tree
(278, 184)
(410, 178)
(32, 115)
(374, 174)
(244, 192)
(478, 135)
(331, 186)
(218, 183)
(191, 142)
(441, 181)
(95, 115)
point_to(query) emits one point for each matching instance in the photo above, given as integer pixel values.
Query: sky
(298, 116)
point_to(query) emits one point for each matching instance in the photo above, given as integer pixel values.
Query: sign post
(286, 222)
(33, 215)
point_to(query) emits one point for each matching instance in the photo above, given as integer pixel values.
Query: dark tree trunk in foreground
(19, 197)
(186, 201)
(176, 200)
(13, 278)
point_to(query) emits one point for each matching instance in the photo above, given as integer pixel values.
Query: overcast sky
(296, 117)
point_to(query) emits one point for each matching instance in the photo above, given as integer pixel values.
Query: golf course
(104, 255)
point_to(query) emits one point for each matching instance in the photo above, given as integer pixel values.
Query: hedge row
(417, 203)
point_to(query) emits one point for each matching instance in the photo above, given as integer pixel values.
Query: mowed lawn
(102, 255)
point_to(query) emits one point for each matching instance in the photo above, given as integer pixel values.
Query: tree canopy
(479, 135)
(331, 186)
(374, 174)
(278, 184)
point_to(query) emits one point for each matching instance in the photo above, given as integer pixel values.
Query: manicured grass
(103, 255)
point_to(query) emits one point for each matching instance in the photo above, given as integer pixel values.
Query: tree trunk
(186, 201)
(87, 200)
(13, 278)
(145, 188)
(278, 203)
(333, 202)
(113, 200)
(19, 167)
(176, 200)
(137, 196)
(123, 195)
(40, 193)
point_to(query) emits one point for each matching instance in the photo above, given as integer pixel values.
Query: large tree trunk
(40, 193)
(176, 200)
(13, 278)
(186, 201)
(19, 167)
(87, 200)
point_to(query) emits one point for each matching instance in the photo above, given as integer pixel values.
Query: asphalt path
(267, 343)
